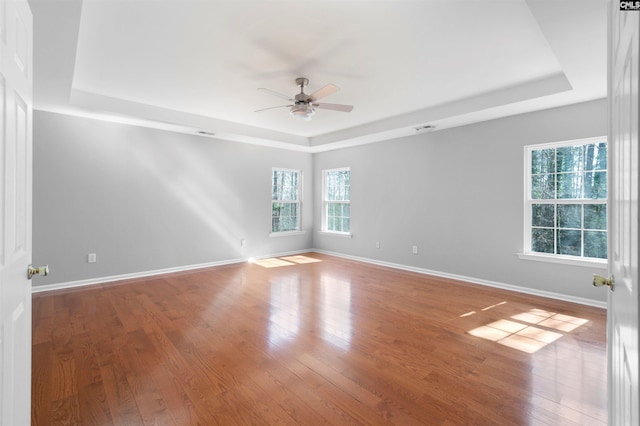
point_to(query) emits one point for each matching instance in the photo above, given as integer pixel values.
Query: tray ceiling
(196, 65)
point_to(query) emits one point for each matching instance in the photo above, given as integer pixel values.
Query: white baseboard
(519, 289)
(145, 274)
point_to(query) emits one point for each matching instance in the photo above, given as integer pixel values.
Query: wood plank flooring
(317, 340)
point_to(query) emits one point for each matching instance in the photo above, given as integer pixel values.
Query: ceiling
(196, 65)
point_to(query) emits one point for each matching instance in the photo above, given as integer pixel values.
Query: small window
(285, 200)
(336, 215)
(566, 199)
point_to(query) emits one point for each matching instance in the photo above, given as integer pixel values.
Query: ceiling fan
(304, 106)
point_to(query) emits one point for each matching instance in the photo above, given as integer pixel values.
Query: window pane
(595, 244)
(338, 187)
(570, 242)
(331, 187)
(275, 184)
(284, 185)
(542, 215)
(338, 217)
(346, 181)
(543, 187)
(570, 185)
(569, 216)
(290, 186)
(595, 156)
(275, 217)
(346, 224)
(543, 161)
(276, 191)
(569, 158)
(332, 212)
(284, 217)
(337, 210)
(542, 240)
(595, 185)
(595, 216)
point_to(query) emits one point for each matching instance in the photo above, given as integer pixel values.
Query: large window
(285, 200)
(336, 215)
(566, 199)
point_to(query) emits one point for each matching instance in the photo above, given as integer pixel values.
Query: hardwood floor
(318, 340)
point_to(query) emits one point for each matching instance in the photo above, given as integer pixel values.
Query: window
(285, 200)
(566, 199)
(336, 214)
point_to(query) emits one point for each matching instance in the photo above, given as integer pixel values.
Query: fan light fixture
(303, 111)
(304, 106)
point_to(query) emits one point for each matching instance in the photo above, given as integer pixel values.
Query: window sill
(286, 233)
(337, 234)
(566, 260)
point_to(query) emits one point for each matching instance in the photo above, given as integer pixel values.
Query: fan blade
(278, 94)
(323, 92)
(279, 106)
(335, 107)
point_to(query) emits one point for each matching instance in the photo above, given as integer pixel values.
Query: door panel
(3, 162)
(15, 212)
(624, 33)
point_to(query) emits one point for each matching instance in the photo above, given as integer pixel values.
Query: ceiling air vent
(426, 128)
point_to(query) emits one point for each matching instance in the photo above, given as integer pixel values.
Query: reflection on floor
(330, 343)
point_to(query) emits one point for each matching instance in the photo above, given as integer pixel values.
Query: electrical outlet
(377, 244)
(91, 258)
(415, 249)
(243, 243)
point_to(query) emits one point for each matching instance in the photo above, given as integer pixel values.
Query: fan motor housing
(302, 97)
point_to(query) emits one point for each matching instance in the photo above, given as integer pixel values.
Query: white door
(624, 34)
(16, 36)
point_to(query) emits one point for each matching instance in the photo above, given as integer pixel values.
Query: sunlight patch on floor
(483, 309)
(301, 259)
(522, 335)
(559, 322)
(272, 262)
(493, 306)
(275, 262)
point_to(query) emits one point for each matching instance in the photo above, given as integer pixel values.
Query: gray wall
(457, 194)
(145, 199)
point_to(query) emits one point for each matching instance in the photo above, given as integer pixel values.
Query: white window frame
(527, 253)
(325, 204)
(298, 202)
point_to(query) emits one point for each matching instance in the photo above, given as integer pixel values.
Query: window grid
(566, 205)
(285, 200)
(336, 200)
(561, 233)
